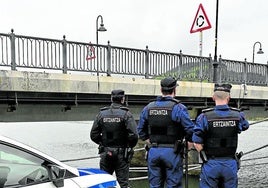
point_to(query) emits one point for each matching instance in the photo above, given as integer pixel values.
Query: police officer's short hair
(117, 95)
(222, 91)
(221, 94)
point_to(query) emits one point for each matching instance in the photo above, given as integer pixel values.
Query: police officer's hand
(148, 141)
(198, 146)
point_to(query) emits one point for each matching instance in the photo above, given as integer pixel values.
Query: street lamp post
(258, 52)
(101, 29)
(215, 61)
(216, 31)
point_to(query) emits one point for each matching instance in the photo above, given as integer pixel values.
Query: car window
(18, 167)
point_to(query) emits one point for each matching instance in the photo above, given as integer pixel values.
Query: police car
(24, 166)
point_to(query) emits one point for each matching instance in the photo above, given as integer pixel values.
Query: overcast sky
(163, 25)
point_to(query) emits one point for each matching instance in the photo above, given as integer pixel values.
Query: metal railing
(17, 51)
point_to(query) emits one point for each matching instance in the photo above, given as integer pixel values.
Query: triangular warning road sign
(90, 52)
(201, 21)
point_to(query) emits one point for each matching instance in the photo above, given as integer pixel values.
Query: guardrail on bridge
(17, 51)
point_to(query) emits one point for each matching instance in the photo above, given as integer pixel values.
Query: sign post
(200, 43)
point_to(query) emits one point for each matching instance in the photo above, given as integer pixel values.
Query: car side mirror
(57, 175)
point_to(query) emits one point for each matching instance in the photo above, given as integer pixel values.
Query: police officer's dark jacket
(162, 129)
(112, 121)
(222, 136)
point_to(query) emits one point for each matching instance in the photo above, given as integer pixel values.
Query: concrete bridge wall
(75, 83)
(25, 90)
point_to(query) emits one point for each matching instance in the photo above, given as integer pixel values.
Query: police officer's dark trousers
(216, 168)
(112, 160)
(165, 167)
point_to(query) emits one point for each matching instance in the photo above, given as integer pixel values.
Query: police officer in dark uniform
(216, 136)
(114, 129)
(163, 124)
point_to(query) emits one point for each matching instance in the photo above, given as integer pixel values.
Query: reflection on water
(62, 140)
(254, 167)
(70, 140)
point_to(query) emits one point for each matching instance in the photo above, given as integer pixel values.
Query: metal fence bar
(13, 50)
(266, 74)
(17, 51)
(4, 50)
(109, 62)
(64, 55)
(128, 61)
(232, 71)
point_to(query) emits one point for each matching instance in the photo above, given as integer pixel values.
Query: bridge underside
(44, 106)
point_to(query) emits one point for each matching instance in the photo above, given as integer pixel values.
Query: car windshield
(17, 167)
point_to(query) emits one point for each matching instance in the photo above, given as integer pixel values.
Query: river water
(70, 140)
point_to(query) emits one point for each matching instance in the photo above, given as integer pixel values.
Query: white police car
(24, 166)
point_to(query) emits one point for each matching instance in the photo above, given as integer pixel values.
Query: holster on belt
(146, 147)
(203, 156)
(128, 154)
(238, 159)
(178, 147)
(111, 153)
(101, 149)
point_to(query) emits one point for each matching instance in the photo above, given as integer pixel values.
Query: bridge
(49, 79)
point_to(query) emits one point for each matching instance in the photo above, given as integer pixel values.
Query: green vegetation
(189, 73)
